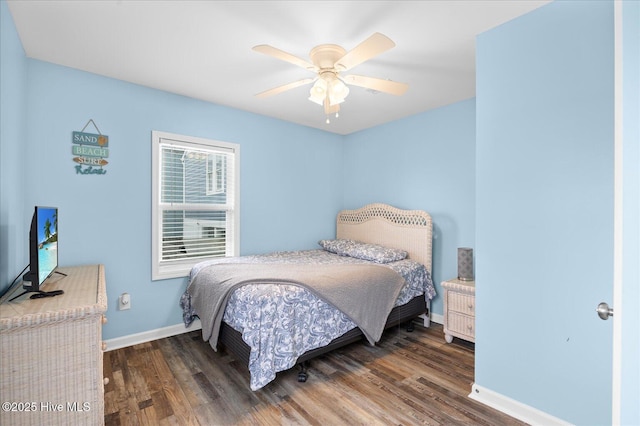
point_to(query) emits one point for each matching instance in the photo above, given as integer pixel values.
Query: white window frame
(216, 175)
(181, 268)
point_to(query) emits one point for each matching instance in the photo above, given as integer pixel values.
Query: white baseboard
(516, 409)
(174, 330)
(437, 318)
(427, 320)
(148, 336)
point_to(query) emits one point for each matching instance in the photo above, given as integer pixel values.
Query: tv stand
(51, 360)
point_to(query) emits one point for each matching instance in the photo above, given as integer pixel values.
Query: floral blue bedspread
(281, 322)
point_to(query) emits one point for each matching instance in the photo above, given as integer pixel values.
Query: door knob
(604, 311)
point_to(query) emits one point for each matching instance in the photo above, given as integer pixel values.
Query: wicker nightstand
(51, 352)
(459, 310)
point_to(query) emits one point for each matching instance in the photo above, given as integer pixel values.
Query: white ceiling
(202, 49)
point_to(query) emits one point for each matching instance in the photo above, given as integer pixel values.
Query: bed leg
(302, 375)
(410, 326)
(427, 320)
(427, 316)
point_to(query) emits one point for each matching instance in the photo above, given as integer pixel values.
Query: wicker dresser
(459, 310)
(51, 352)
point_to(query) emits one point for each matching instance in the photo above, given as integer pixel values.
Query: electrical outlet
(124, 302)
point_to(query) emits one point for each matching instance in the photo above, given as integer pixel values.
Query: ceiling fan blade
(386, 86)
(284, 56)
(373, 46)
(284, 88)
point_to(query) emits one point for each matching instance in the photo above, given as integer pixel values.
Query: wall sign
(90, 151)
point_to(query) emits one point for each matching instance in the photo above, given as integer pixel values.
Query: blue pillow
(365, 251)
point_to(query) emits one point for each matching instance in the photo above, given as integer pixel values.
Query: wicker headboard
(409, 230)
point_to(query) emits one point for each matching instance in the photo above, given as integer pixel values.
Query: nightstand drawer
(460, 302)
(462, 324)
(459, 310)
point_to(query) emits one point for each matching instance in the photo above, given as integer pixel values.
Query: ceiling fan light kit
(328, 87)
(328, 60)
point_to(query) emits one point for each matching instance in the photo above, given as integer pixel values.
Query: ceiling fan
(328, 61)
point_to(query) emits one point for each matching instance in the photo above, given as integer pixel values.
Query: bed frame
(409, 230)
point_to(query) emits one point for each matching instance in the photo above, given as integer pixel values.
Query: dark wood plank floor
(408, 378)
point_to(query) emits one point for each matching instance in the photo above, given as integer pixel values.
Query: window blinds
(196, 201)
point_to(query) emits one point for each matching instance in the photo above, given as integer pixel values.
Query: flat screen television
(43, 255)
(43, 252)
(43, 247)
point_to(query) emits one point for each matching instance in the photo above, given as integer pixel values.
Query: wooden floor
(408, 378)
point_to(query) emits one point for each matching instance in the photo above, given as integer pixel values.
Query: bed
(276, 310)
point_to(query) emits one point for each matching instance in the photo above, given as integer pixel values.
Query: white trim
(437, 318)
(516, 409)
(180, 268)
(148, 336)
(426, 320)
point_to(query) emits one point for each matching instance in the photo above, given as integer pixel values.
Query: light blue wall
(631, 214)
(13, 83)
(292, 177)
(425, 162)
(106, 218)
(544, 212)
(292, 180)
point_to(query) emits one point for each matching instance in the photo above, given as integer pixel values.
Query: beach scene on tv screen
(47, 242)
